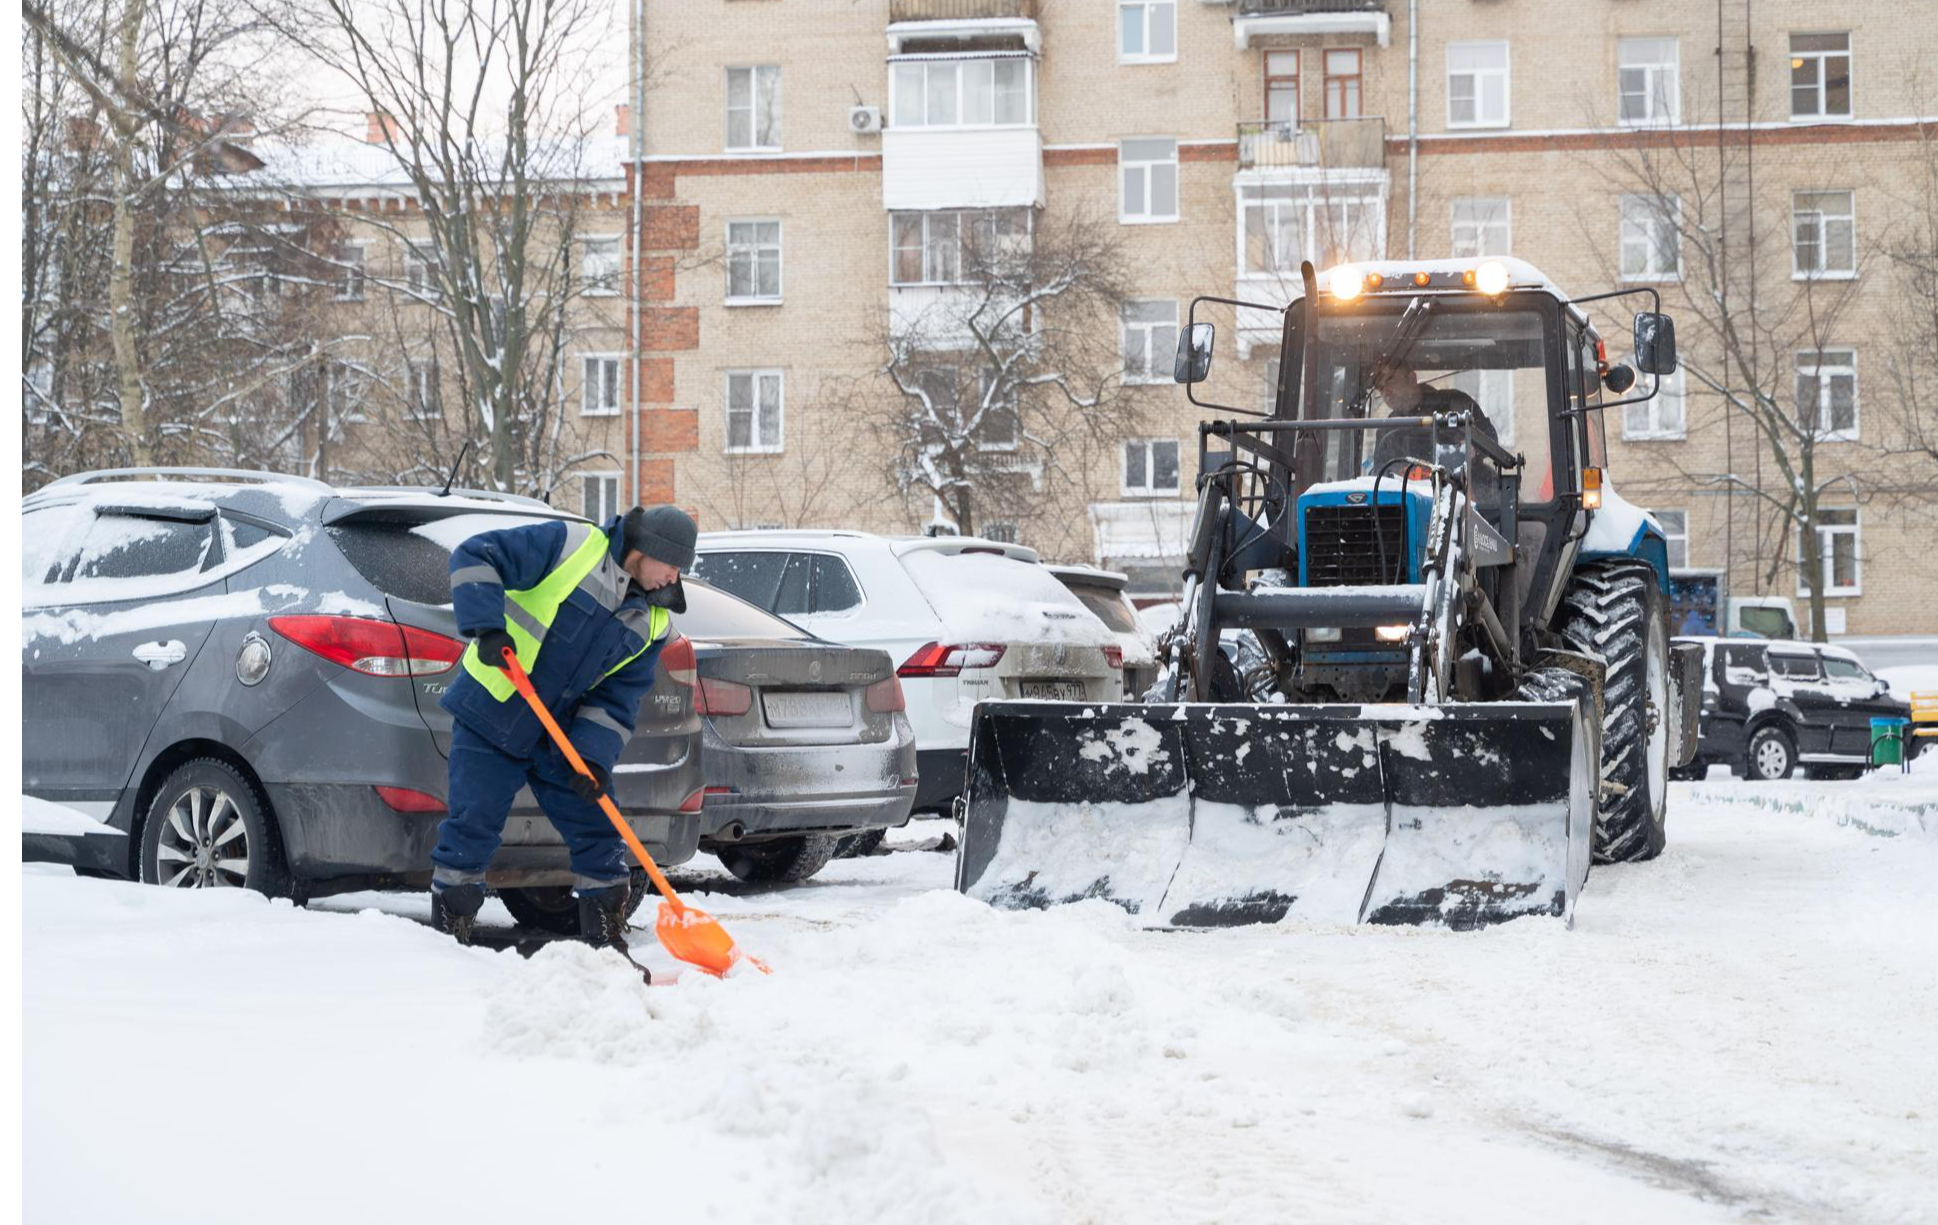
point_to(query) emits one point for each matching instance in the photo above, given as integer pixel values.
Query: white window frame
(1822, 223)
(1001, 532)
(966, 221)
(608, 479)
(350, 274)
(754, 446)
(1313, 202)
(1150, 487)
(1823, 79)
(1652, 70)
(1487, 213)
(1505, 72)
(1146, 10)
(348, 414)
(751, 249)
(419, 258)
(1671, 538)
(415, 372)
(1158, 368)
(1826, 551)
(1811, 363)
(605, 284)
(1145, 215)
(590, 385)
(1662, 210)
(901, 68)
(1672, 388)
(753, 72)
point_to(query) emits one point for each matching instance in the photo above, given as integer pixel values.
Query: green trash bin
(1887, 740)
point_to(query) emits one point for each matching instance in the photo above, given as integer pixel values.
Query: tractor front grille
(1342, 548)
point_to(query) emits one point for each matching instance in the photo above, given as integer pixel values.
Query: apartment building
(809, 167)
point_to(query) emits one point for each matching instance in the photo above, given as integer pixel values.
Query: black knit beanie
(663, 533)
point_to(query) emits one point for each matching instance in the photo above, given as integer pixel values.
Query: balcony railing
(960, 10)
(1333, 144)
(1295, 8)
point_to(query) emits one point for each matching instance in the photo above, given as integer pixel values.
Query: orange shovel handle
(523, 683)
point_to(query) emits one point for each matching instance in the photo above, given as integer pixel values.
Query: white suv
(966, 620)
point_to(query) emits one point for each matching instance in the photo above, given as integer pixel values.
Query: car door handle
(159, 655)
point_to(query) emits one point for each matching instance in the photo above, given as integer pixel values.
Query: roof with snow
(334, 162)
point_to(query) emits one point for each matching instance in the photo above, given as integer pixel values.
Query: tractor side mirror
(1619, 379)
(1194, 354)
(1655, 343)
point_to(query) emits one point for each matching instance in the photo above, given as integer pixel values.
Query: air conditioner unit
(864, 120)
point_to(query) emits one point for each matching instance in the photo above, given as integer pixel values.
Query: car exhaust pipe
(732, 831)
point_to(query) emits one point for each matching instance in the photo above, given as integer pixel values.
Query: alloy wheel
(204, 842)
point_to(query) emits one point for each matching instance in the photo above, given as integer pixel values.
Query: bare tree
(1011, 375)
(1909, 254)
(479, 106)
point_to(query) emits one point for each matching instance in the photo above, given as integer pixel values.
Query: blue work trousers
(484, 782)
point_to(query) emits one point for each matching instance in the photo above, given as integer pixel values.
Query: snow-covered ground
(1746, 1029)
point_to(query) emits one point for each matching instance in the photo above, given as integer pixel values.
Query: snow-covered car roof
(900, 546)
(1089, 574)
(1777, 646)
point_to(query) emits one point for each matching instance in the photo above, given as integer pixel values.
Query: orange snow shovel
(690, 934)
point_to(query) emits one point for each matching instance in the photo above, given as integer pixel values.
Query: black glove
(591, 788)
(492, 645)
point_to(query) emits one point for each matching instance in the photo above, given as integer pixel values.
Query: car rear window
(712, 613)
(408, 556)
(1108, 603)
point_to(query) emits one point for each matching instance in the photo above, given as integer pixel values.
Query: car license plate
(1054, 691)
(808, 709)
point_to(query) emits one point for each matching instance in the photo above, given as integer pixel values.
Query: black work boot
(454, 909)
(602, 916)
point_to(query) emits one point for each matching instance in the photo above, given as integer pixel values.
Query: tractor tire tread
(1606, 613)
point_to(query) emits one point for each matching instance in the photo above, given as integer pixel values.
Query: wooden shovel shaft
(523, 683)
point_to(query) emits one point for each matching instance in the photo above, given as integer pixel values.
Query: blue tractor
(1422, 671)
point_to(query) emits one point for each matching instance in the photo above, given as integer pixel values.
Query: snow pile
(46, 817)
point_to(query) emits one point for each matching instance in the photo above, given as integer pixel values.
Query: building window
(1666, 415)
(1282, 87)
(1150, 341)
(1148, 171)
(1002, 533)
(1482, 225)
(1150, 467)
(754, 408)
(426, 397)
(1820, 76)
(754, 107)
(1651, 238)
(1825, 226)
(1840, 547)
(1284, 223)
(950, 247)
(423, 275)
(1477, 85)
(599, 492)
(351, 258)
(599, 266)
(753, 261)
(981, 93)
(1675, 534)
(1147, 31)
(1827, 394)
(1342, 84)
(1648, 80)
(599, 386)
(349, 392)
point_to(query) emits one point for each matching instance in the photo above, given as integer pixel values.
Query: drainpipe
(631, 483)
(1412, 120)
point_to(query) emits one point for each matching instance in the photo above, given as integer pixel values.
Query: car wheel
(854, 846)
(779, 860)
(1771, 755)
(554, 908)
(209, 827)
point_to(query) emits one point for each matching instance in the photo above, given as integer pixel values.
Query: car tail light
(722, 697)
(885, 696)
(1114, 656)
(370, 646)
(694, 802)
(676, 658)
(938, 660)
(403, 799)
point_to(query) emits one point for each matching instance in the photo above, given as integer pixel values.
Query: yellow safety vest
(529, 614)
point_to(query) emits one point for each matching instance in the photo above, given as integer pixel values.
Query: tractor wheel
(1614, 609)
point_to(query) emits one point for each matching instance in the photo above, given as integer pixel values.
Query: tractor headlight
(1391, 633)
(1347, 282)
(1323, 635)
(1491, 278)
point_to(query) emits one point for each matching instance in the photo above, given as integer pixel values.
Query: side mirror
(1194, 354)
(1619, 379)
(1655, 343)
(1883, 686)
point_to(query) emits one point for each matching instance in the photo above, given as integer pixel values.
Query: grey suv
(239, 672)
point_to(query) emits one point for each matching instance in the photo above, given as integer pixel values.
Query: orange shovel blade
(693, 937)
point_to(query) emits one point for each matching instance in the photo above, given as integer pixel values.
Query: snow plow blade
(1212, 816)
